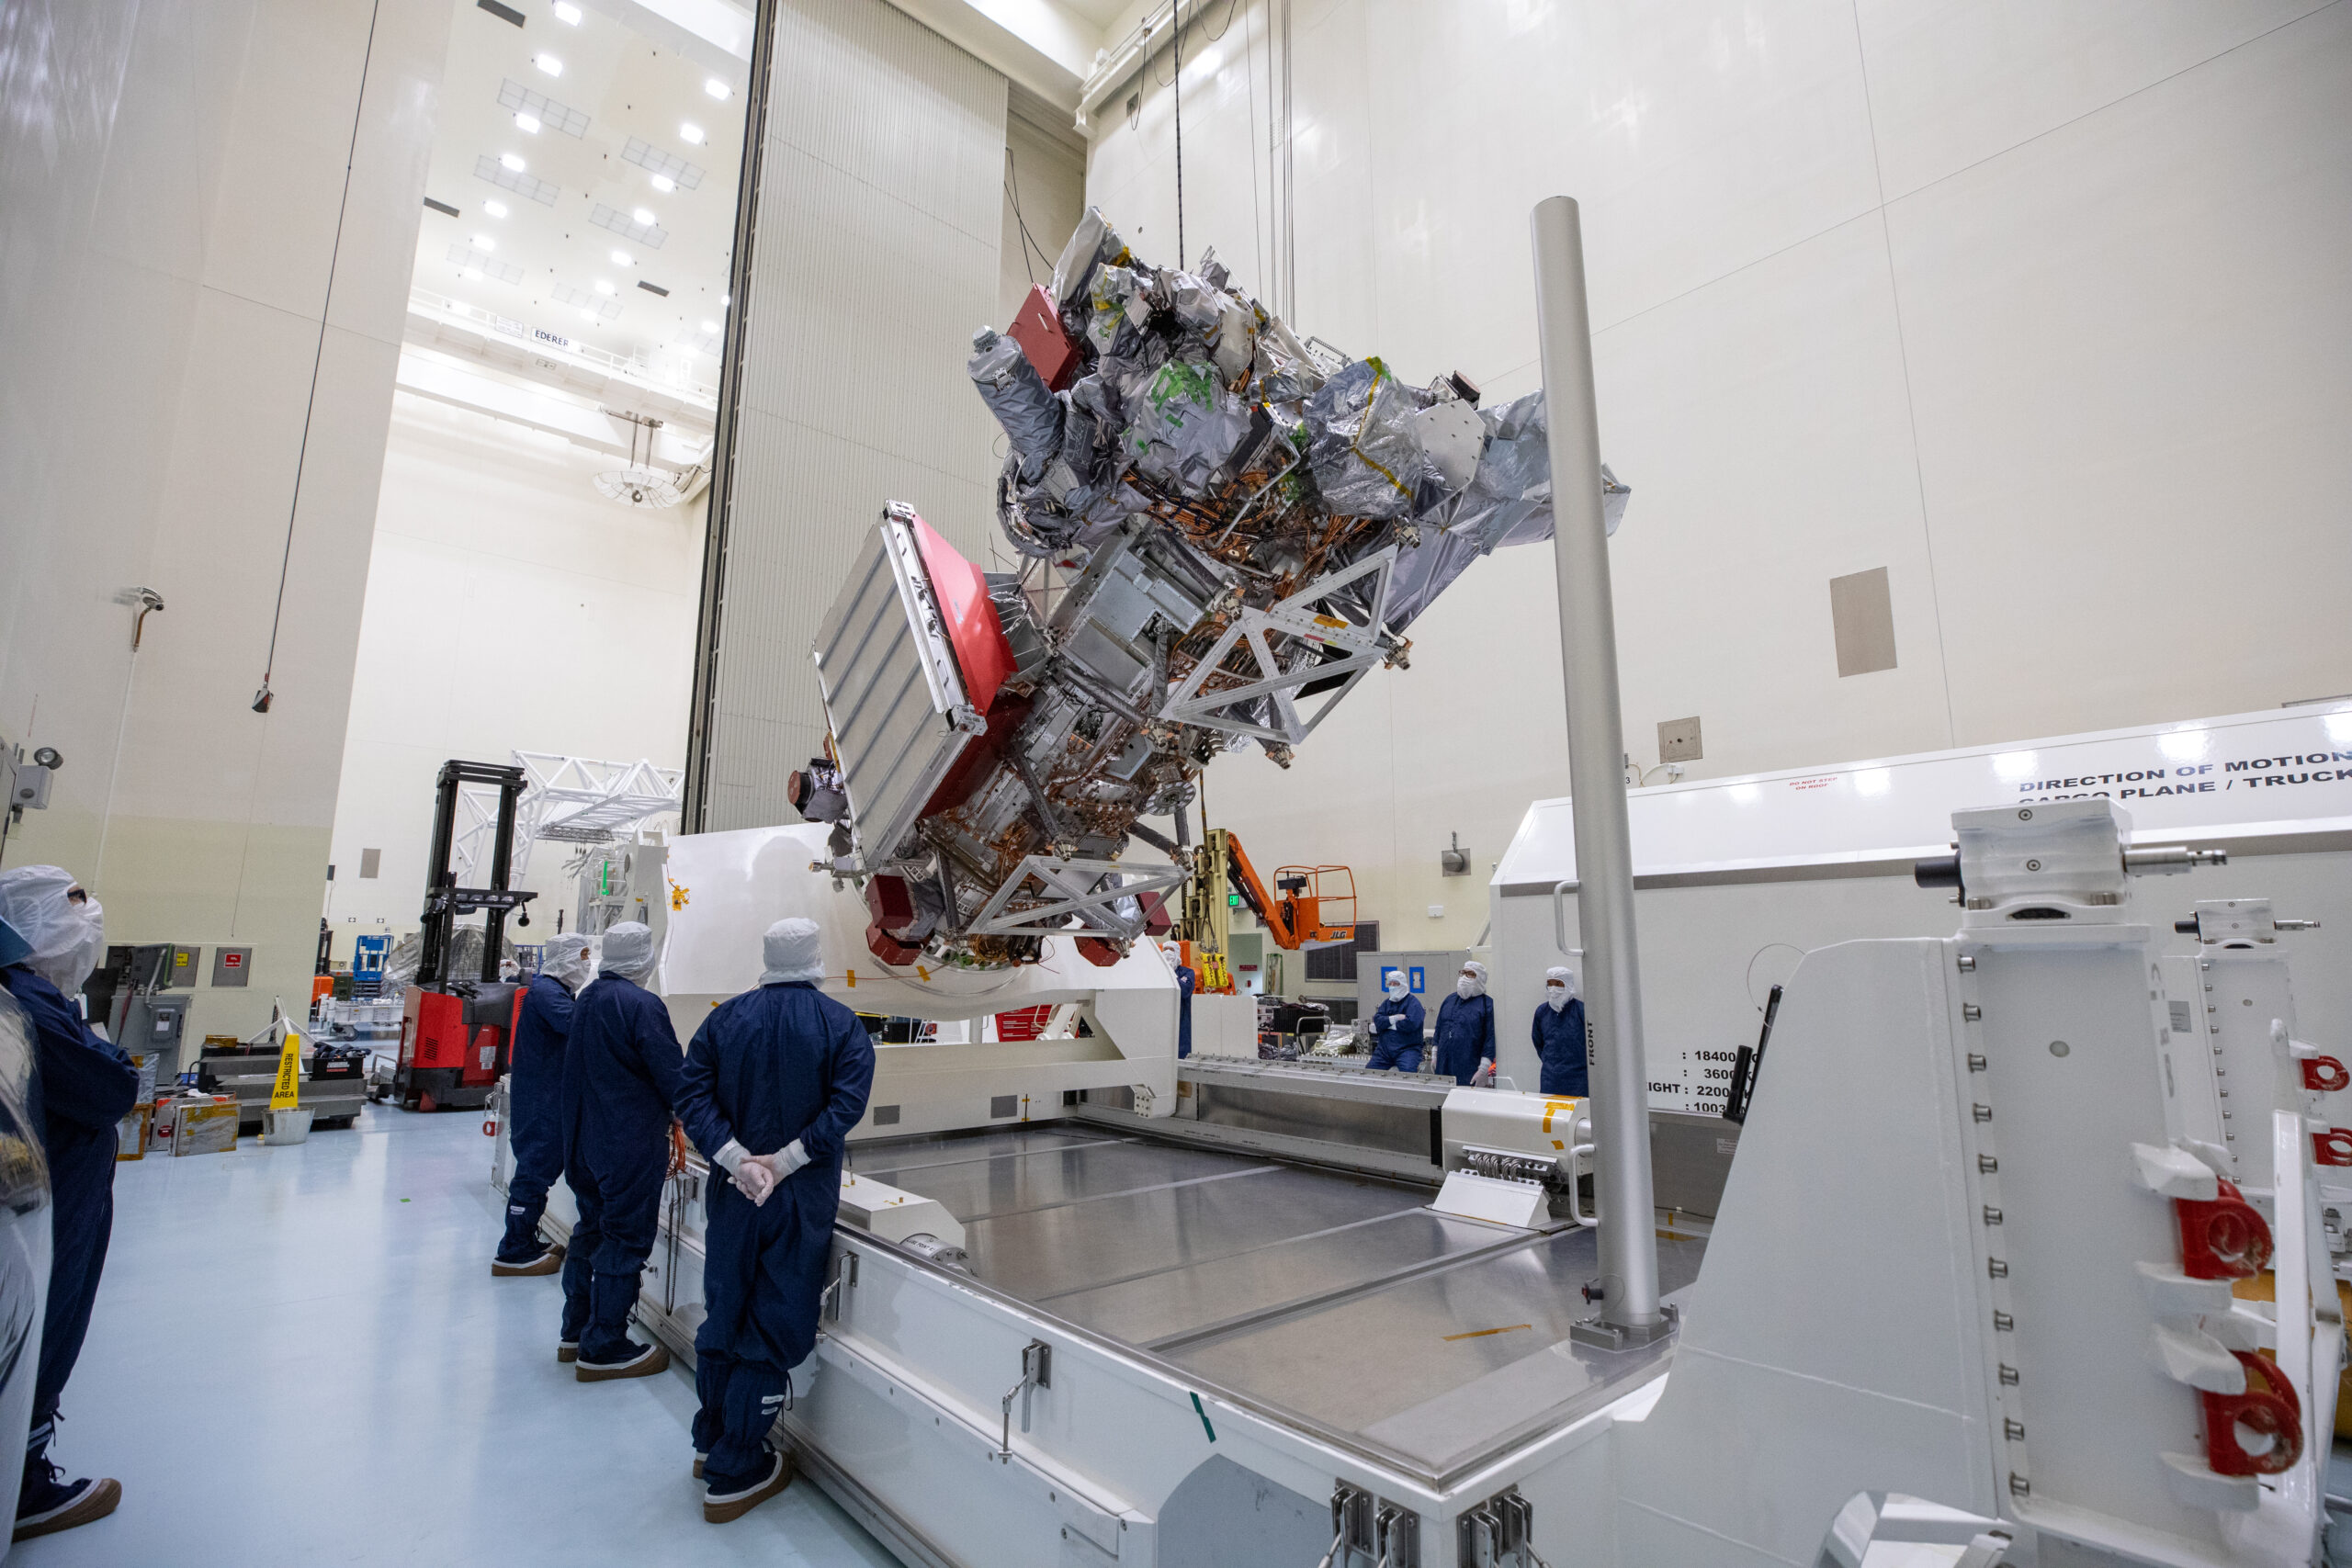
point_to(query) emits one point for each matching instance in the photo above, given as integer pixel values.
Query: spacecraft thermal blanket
(1223, 529)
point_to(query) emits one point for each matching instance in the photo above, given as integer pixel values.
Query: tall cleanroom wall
(874, 233)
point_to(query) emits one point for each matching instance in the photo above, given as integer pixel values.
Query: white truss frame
(574, 800)
(1080, 897)
(1297, 616)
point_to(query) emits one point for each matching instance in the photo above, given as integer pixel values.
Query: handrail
(652, 376)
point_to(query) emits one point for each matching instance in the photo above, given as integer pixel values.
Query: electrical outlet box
(1678, 740)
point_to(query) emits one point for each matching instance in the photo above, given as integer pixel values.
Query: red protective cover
(436, 1030)
(981, 653)
(1037, 328)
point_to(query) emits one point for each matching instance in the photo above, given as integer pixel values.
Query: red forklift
(455, 1030)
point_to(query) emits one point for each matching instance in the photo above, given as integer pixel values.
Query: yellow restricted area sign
(283, 1095)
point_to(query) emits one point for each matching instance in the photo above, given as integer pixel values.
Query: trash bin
(289, 1126)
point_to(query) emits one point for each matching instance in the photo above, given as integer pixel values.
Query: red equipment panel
(432, 1030)
(1037, 328)
(435, 1036)
(973, 630)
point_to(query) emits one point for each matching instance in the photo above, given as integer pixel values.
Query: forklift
(455, 1030)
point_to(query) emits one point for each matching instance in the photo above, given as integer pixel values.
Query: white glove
(728, 1158)
(755, 1178)
(1485, 1077)
(779, 1164)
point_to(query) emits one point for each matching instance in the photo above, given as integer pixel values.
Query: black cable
(1012, 192)
(302, 453)
(1230, 7)
(1176, 10)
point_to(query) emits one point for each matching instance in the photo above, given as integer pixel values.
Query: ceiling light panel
(654, 161)
(491, 205)
(565, 12)
(543, 192)
(608, 310)
(622, 258)
(465, 257)
(693, 135)
(718, 89)
(512, 95)
(549, 64)
(651, 235)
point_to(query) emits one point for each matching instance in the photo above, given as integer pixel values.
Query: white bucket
(289, 1126)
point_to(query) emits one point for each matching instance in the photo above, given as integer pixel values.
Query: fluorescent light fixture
(693, 134)
(511, 163)
(549, 64)
(471, 273)
(495, 209)
(484, 244)
(622, 258)
(665, 184)
(603, 286)
(568, 12)
(718, 89)
(528, 124)
(588, 316)
(644, 215)
(727, 300)
(710, 326)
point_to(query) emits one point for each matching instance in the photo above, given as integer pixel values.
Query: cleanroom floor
(299, 1357)
(1273, 1280)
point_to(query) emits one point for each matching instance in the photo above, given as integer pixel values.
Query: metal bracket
(1036, 1372)
(1353, 1514)
(829, 1306)
(1296, 617)
(1385, 1534)
(1602, 1335)
(1074, 889)
(1497, 1533)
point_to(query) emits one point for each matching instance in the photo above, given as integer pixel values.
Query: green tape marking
(1205, 1418)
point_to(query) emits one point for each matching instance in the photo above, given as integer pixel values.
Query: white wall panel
(509, 606)
(2129, 340)
(170, 182)
(2037, 306)
(877, 254)
(1954, 85)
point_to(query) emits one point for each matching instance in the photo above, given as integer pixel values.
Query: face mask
(1557, 995)
(1466, 987)
(67, 970)
(1396, 990)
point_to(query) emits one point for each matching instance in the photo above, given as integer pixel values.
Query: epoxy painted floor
(300, 1357)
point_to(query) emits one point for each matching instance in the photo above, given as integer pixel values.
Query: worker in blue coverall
(534, 1103)
(784, 1069)
(620, 1084)
(1559, 1035)
(1188, 980)
(1397, 1028)
(1465, 1028)
(83, 1088)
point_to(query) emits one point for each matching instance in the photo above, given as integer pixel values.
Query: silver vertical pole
(1621, 1124)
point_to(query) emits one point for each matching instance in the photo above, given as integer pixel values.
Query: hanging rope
(301, 453)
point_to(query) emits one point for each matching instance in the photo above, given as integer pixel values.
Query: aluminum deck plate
(1345, 1303)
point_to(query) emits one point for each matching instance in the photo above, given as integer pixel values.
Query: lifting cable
(293, 507)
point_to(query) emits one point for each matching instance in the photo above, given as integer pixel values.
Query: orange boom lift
(1306, 906)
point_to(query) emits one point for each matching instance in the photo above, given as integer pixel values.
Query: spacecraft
(1221, 527)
